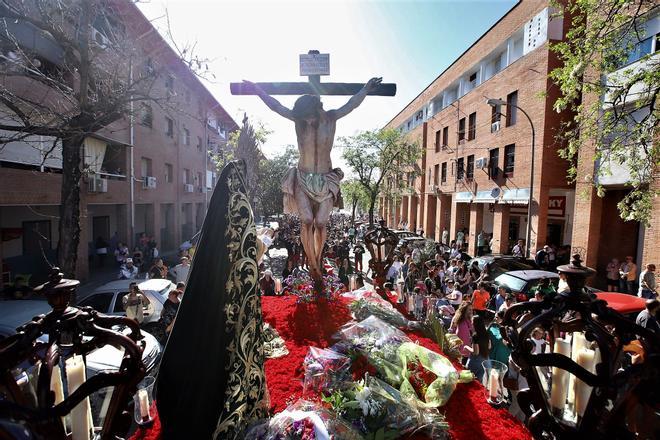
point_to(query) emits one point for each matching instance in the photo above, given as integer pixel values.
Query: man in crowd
(628, 272)
(158, 270)
(128, 271)
(647, 283)
(542, 257)
(180, 271)
(358, 251)
(502, 292)
(518, 250)
(647, 317)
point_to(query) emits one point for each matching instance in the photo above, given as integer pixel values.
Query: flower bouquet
(303, 420)
(428, 376)
(302, 286)
(365, 307)
(325, 370)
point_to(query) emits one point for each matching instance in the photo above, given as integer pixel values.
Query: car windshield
(513, 283)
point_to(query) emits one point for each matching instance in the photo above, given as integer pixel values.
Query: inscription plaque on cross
(311, 189)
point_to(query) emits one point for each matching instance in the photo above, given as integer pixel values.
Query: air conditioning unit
(481, 163)
(99, 40)
(495, 126)
(188, 187)
(98, 185)
(149, 182)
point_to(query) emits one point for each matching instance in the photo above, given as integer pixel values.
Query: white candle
(278, 285)
(143, 398)
(559, 376)
(493, 385)
(81, 415)
(586, 359)
(578, 343)
(56, 384)
(399, 288)
(351, 283)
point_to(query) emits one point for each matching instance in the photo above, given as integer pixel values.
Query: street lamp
(494, 103)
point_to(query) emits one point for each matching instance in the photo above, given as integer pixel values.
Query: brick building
(600, 233)
(151, 173)
(476, 166)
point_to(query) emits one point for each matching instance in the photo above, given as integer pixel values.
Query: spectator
(613, 275)
(412, 278)
(164, 326)
(158, 270)
(134, 303)
(647, 283)
(481, 243)
(180, 271)
(519, 249)
(538, 338)
(563, 284)
(454, 296)
(499, 350)
(480, 299)
(358, 251)
(267, 284)
(138, 258)
(289, 268)
(429, 282)
(461, 325)
(121, 253)
(628, 273)
(344, 271)
(455, 252)
(502, 292)
(647, 318)
(545, 288)
(508, 302)
(460, 239)
(394, 272)
(542, 259)
(480, 348)
(417, 256)
(359, 282)
(445, 236)
(128, 271)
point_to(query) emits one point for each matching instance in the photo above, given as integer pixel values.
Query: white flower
(362, 398)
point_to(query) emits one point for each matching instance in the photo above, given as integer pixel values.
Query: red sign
(557, 206)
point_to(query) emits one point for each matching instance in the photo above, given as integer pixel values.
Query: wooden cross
(314, 86)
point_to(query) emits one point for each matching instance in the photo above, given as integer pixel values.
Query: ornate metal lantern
(381, 243)
(584, 383)
(32, 362)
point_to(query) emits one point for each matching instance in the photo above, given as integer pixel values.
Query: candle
(278, 285)
(81, 415)
(578, 343)
(143, 398)
(493, 385)
(586, 359)
(399, 287)
(56, 384)
(559, 376)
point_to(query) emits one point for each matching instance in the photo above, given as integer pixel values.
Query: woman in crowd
(289, 269)
(613, 275)
(412, 278)
(267, 284)
(394, 271)
(499, 350)
(158, 270)
(134, 303)
(480, 347)
(344, 271)
(164, 325)
(461, 326)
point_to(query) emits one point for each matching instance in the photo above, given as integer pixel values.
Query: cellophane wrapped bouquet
(365, 304)
(325, 370)
(302, 286)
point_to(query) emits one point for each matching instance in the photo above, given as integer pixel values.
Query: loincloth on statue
(318, 187)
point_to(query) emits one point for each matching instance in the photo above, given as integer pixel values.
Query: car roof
(15, 313)
(153, 284)
(532, 274)
(622, 302)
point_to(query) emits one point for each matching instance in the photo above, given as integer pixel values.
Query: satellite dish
(495, 192)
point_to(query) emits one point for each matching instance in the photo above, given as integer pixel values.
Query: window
(461, 130)
(169, 172)
(119, 303)
(99, 301)
(419, 116)
(460, 169)
(469, 172)
(445, 137)
(186, 136)
(199, 180)
(472, 126)
(146, 115)
(169, 85)
(170, 127)
(186, 175)
(636, 51)
(436, 172)
(36, 237)
(149, 68)
(437, 141)
(511, 109)
(493, 163)
(509, 159)
(443, 175)
(199, 143)
(495, 114)
(145, 167)
(473, 79)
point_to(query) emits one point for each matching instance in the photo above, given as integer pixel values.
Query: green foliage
(622, 123)
(376, 156)
(269, 182)
(354, 196)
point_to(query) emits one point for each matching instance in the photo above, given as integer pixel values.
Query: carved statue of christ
(311, 189)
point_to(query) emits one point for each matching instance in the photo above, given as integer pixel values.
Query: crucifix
(311, 189)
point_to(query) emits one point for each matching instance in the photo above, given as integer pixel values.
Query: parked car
(521, 282)
(13, 314)
(108, 298)
(404, 234)
(627, 305)
(500, 264)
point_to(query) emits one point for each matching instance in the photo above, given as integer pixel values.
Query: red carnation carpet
(302, 325)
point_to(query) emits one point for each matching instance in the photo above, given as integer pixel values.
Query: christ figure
(311, 189)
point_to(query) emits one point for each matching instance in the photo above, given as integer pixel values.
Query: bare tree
(70, 68)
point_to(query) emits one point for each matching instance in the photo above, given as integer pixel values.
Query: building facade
(476, 170)
(151, 173)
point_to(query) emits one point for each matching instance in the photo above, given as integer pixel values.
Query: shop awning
(484, 197)
(463, 197)
(518, 196)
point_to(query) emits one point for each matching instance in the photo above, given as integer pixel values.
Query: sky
(405, 42)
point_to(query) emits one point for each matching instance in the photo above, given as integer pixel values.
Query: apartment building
(151, 173)
(601, 234)
(476, 170)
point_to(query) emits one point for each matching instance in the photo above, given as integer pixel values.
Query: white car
(108, 297)
(15, 313)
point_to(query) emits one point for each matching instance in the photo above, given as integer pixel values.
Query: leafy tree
(90, 77)
(374, 156)
(271, 174)
(614, 101)
(353, 193)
